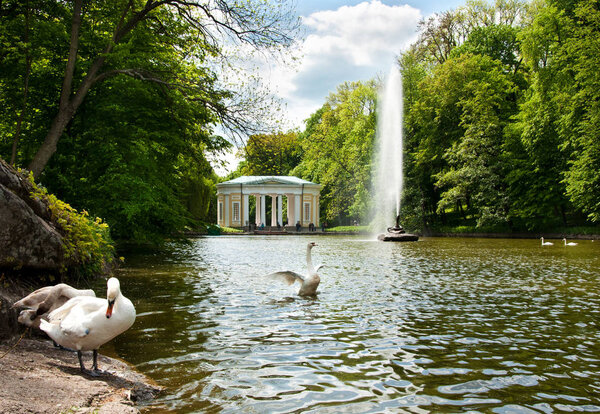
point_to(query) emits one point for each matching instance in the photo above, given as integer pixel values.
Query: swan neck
(309, 263)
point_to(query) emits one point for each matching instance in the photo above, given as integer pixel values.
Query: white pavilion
(233, 201)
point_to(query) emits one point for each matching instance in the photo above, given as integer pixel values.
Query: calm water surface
(440, 325)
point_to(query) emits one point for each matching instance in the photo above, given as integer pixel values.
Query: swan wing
(47, 296)
(34, 298)
(88, 303)
(287, 276)
(81, 317)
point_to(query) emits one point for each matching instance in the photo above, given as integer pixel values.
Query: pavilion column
(245, 219)
(226, 211)
(257, 209)
(263, 210)
(298, 209)
(280, 209)
(290, 210)
(273, 210)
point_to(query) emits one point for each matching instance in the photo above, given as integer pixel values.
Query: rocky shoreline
(36, 377)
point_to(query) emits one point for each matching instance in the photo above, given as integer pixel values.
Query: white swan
(85, 323)
(44, 300)
(310, 282)
(570, 243)
(546, 243)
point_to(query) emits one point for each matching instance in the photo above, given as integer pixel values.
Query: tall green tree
(580, 125)
(477, 165)
(116, 101)
(338, 148)
(272, 154)
(559, 120)
(98, 47)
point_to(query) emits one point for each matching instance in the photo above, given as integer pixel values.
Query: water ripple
(441, 325)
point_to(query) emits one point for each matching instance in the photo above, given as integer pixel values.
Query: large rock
(28, 239)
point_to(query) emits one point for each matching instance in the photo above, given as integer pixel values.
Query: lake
(438, 325)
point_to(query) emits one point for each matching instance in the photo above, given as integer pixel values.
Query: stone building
(301, 196)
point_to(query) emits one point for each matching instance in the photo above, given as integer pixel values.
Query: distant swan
(45, 300)
(546, 243)
(85, 323)
(570, 243)
(310, 282)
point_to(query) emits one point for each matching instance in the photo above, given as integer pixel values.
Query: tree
(100, 33)
(477, 165)
(559, 48)
(338, 148)
(580, 125)
(136, 105)
(272, 154)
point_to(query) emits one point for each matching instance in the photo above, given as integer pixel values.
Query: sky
(344, 40)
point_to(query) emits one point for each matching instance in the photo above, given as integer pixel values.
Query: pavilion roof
(266, 179)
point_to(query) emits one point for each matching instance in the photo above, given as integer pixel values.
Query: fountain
(397, 233)
(389, 162)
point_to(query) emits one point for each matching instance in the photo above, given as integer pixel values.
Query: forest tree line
(501, 124)
(113, 105)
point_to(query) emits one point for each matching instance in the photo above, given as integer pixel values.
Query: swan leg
(81, 366)
(95, 364)
(92, 373)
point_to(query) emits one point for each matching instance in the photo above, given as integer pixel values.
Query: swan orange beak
(109, 310)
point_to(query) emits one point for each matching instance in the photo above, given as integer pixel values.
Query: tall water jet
(389, 159)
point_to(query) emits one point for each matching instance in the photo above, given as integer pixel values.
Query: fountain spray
(389, 156)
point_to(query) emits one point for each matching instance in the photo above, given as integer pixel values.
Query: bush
(88, 247)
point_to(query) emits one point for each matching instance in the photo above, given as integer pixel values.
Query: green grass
(348, 229)
(582, 230)
(228, 230)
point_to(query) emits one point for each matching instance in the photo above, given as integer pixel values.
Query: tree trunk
(48, 147)
(69, 102)
(13, 157)
(65, 109)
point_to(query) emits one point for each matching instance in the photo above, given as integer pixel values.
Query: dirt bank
(36, 377)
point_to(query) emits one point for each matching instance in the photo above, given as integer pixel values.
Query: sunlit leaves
(338, 147)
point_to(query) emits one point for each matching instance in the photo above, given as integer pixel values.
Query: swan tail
(51, 329)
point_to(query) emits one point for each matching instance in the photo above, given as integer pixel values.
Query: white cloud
(362, 33)
(348, 44)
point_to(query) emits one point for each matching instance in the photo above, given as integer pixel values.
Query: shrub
(88, 247)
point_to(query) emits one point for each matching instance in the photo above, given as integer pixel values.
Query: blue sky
(305, 7)
(345, 40)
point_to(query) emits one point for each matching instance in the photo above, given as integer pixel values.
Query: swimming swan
(546, 243)
(44, 300)
(570, 243)
(310, 282)
(85, 323)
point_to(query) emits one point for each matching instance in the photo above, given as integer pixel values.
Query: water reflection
(441, 325)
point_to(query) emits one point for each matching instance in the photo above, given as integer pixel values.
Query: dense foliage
(113, 105)
(87, 244)
(337, 146)
(271, 154)
(499, 134)
(501, 126)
